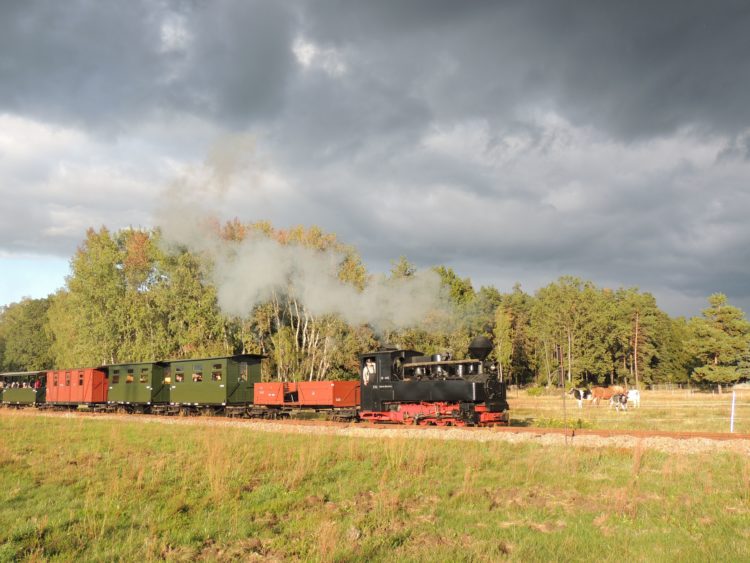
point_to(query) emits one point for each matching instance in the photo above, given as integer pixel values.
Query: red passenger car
(76, 386)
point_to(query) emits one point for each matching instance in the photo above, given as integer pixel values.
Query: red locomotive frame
(434, 414)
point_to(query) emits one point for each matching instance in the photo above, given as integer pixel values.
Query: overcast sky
(512, 141)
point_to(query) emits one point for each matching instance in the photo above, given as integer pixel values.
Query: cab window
(179, 375)
(144, 375)
(216, 372)
(368, 371)
(130, 377)
(243, 371)
(167, 376)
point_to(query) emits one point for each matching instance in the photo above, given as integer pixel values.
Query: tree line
(127, 299)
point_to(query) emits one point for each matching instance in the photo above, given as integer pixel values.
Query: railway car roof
(156, 363)
(22, 373)
(230, 357)
(100, 368)
(390, 351)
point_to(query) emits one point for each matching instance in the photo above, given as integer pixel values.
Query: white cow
(581, 395)
(619, 401)
(634, 397)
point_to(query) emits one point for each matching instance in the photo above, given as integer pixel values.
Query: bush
(557, 423)
(536, 391)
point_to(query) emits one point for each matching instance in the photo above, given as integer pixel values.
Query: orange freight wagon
(76, 386)
(334, 394)
(275, 393)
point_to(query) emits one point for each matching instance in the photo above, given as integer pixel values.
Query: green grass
(86, 489)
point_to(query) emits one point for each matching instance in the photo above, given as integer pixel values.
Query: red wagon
(338, 399)
(336, 394)
(82, 386)
(275, 394)
(325, 394)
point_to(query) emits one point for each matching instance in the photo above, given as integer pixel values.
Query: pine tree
(503, 343)
(720, 341)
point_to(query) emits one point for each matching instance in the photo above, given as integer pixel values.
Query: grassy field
(677, 410)
(75, 489)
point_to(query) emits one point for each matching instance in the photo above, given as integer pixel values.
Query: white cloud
(58, 181)
(311, 56)
(23, 139)
(175, 35)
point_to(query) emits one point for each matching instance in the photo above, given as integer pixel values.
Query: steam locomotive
(403, 386)
(395, 386)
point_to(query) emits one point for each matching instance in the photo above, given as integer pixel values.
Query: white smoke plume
(249, 272)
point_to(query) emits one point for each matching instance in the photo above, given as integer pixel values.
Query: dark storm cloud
(105, 64)
(513, 140)
(635, 68)
(239, 59)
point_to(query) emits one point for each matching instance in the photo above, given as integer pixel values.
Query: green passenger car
(138, 386)
(221, 381)
(23, 388)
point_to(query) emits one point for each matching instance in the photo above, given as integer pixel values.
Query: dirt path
(669, 442)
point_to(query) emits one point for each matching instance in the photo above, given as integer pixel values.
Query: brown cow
(606, 393)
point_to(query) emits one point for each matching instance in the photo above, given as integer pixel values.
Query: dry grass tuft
(547, 527)
(250, 549)
(601, 522)
(328, 539)
(504, 548)
(637, 459)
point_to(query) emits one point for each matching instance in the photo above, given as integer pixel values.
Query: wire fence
(666, 409)
(672, 388)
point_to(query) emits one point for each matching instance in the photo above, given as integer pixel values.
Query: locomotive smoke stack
(479, 348)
